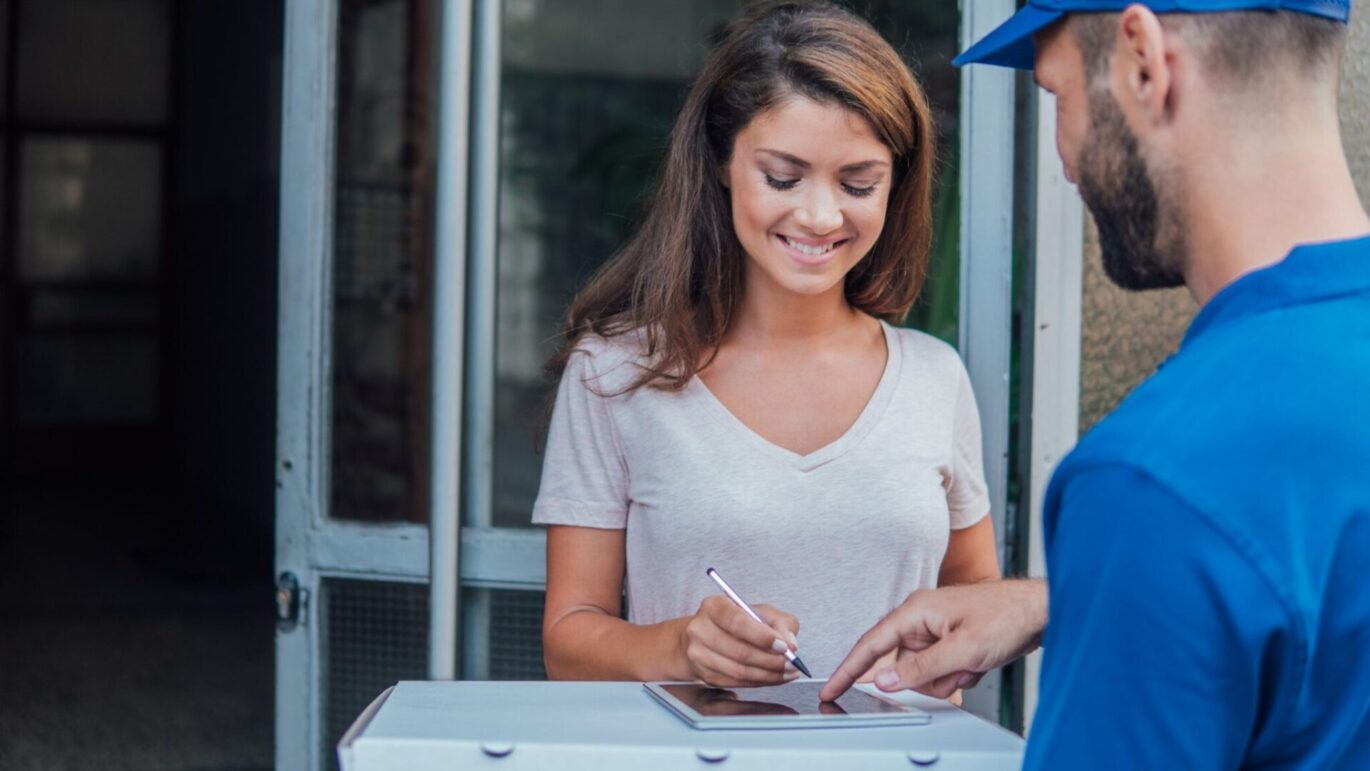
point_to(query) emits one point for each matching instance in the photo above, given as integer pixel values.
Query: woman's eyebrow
(864, 165)
(803, 164)
(794, 159)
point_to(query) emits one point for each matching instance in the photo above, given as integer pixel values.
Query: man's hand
(948, 638)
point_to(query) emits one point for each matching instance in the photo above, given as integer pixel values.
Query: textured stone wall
(1355, 100)
(1125, 335)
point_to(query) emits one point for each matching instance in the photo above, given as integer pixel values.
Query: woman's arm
(971, 555)
(583, 637)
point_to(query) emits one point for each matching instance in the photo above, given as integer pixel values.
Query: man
(1208, 544)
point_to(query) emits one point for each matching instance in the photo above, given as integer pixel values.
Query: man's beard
(1118, 188)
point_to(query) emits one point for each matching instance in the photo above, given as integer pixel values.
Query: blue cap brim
(1010, 44)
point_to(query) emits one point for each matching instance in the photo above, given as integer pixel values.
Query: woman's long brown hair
(679, 280)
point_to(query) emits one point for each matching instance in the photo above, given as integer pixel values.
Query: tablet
(793, 705)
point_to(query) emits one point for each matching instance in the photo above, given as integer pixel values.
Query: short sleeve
(1165, 645)
(967, 494)
(584, 472)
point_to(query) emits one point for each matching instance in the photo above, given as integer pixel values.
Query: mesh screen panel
(516, 635)
(375, 633)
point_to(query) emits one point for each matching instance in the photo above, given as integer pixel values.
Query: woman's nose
(820, 213)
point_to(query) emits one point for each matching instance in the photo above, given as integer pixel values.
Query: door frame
(985, 322)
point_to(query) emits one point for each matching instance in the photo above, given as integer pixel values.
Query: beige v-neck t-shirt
(837, 537)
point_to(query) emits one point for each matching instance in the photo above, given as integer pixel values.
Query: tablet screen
(799, 698)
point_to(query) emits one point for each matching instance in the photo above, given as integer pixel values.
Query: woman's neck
(772, 316)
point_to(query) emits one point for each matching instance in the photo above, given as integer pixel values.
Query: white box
(518, 726)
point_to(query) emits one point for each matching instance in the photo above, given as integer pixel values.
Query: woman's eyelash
(787, 184)
(781, 184)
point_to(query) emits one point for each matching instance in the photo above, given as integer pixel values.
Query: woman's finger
(738, 673)
(722, 642)
(735, 622)
(784, 623)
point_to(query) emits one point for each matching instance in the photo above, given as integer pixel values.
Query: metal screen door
(370, 337)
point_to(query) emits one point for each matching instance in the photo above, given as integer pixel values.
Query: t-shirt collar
(1310, 272)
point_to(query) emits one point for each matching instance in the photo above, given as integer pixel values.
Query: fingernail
(791, 674)
(964, 680)
(790, 668)
(887, 679)
(779, 646)
(794, 641)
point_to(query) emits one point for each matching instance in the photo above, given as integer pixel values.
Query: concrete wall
(1125, 335)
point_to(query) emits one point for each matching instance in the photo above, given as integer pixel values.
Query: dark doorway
(138, 259)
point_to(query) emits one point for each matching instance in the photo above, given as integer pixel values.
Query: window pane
(90, 210)
(589, 91)
(382, 258)
(94, 61)
(68, 380)
(926, 35)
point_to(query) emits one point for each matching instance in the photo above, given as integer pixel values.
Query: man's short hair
(1241, 47)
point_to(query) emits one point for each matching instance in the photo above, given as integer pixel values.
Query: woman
(733, 394)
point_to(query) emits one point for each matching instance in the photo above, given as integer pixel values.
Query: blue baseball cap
(1010, 44)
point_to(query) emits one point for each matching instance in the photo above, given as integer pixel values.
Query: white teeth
(812, 251)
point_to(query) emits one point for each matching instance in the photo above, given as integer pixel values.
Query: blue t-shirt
(1208, 544)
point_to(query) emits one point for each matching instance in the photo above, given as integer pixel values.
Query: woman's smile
(809, 251)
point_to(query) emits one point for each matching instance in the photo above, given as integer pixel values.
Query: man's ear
(1143, 73)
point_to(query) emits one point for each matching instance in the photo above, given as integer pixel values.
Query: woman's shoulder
(924, 349)
(612, 362)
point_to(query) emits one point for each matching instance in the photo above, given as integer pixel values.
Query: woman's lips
(809, 253)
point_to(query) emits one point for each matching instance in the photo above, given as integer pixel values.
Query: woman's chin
(809, 285)
(787, 277)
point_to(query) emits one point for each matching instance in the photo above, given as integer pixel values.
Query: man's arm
(1162, 634)
(947, 638)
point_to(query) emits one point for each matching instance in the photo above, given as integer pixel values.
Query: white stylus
(741, 603)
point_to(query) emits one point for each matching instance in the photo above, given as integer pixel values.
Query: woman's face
(809, 183)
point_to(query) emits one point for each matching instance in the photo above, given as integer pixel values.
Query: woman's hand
(584, 637)
(726, 648)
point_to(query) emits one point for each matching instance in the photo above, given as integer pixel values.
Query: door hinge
(291, 602)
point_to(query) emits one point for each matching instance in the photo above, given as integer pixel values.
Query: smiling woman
(734, 393)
